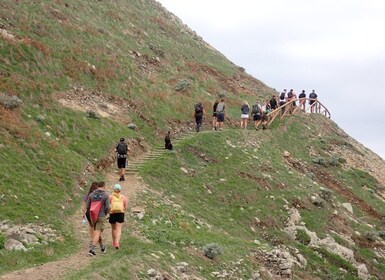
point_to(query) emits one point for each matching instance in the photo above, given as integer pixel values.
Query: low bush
(212, 250)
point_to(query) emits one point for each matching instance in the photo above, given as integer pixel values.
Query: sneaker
(103, 248)
(122, 177)
(91, 253)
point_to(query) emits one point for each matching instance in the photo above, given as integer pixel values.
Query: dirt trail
(58, 269)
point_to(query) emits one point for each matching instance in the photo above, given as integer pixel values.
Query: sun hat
(117, 187)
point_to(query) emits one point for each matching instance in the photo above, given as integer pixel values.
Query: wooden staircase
(290, 108)
(287, 109)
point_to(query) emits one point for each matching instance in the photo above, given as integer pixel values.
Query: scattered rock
(348, 207)
(184, 170)
(132, 126)
(14, 245)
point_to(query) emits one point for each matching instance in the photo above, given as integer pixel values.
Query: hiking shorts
(215, 114)
(116, 218)
(256, 117)
(220, 117)
(122, 162)
(99, 225)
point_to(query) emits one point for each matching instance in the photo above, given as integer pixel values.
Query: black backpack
(198, 109)
(282, 96)
(122, 148)
(256, 110)
(313, 95)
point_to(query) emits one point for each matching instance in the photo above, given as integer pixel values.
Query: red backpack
(96, 205)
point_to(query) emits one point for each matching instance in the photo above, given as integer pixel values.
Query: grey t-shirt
(221, 108)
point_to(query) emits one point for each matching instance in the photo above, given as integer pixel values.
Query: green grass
(233, 177)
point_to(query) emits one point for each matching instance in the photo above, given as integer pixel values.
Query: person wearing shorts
(118, 204)
(101, 195)
(122, 149)
(245, 114)
(257, 115)
(221, 113)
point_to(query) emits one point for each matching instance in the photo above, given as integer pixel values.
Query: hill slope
(277, 202)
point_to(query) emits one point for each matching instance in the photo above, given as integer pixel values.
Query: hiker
(245, 114)
(167, 141)
(214, 122)
(98, 206)
(290, 97)
(199, 114)
(302, 100)
(257, 114)
(121, 150)
(118, 203)
(313, 101)
(221, 113)
(265, 109)
(86, 214)
(282, 98)
(273, 103)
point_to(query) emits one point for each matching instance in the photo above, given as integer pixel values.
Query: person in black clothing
(121, 150)
(199, 114)
(273, 103)
(302, 100)
(167, 141)
(214, 122)
(313, 102)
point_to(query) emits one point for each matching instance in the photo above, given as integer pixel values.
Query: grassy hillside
(85, 70)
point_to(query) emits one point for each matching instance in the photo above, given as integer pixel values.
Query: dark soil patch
(261, 182)
(330, 182)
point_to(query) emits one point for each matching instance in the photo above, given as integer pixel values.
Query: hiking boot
(122, 177)
(91, 253)
(103, 248)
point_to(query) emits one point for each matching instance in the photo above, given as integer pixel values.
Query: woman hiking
(118, 203)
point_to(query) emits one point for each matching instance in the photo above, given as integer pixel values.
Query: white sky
(336, 47)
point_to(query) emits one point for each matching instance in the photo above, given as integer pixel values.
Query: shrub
(302, 237)
(370, 236)
(326, 194)
(212, 250)
(182, 85)
(10, 102)
(92, 115)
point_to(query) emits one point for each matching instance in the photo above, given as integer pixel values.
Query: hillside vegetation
(300, 200)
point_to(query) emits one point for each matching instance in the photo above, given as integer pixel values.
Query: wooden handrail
(317, 107)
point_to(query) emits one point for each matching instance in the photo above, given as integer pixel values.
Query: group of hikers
(258, 111)
(99, 204)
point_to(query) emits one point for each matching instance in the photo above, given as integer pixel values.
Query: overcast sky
(336, 47)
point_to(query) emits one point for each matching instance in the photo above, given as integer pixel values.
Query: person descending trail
(257, 114)
(221, 113)
(199, 114)
(98, 206)
(122, 150)
(245, 114)
(167, 141)
(118, 203)
(86, 215)
(214, 122)
(313, 101)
